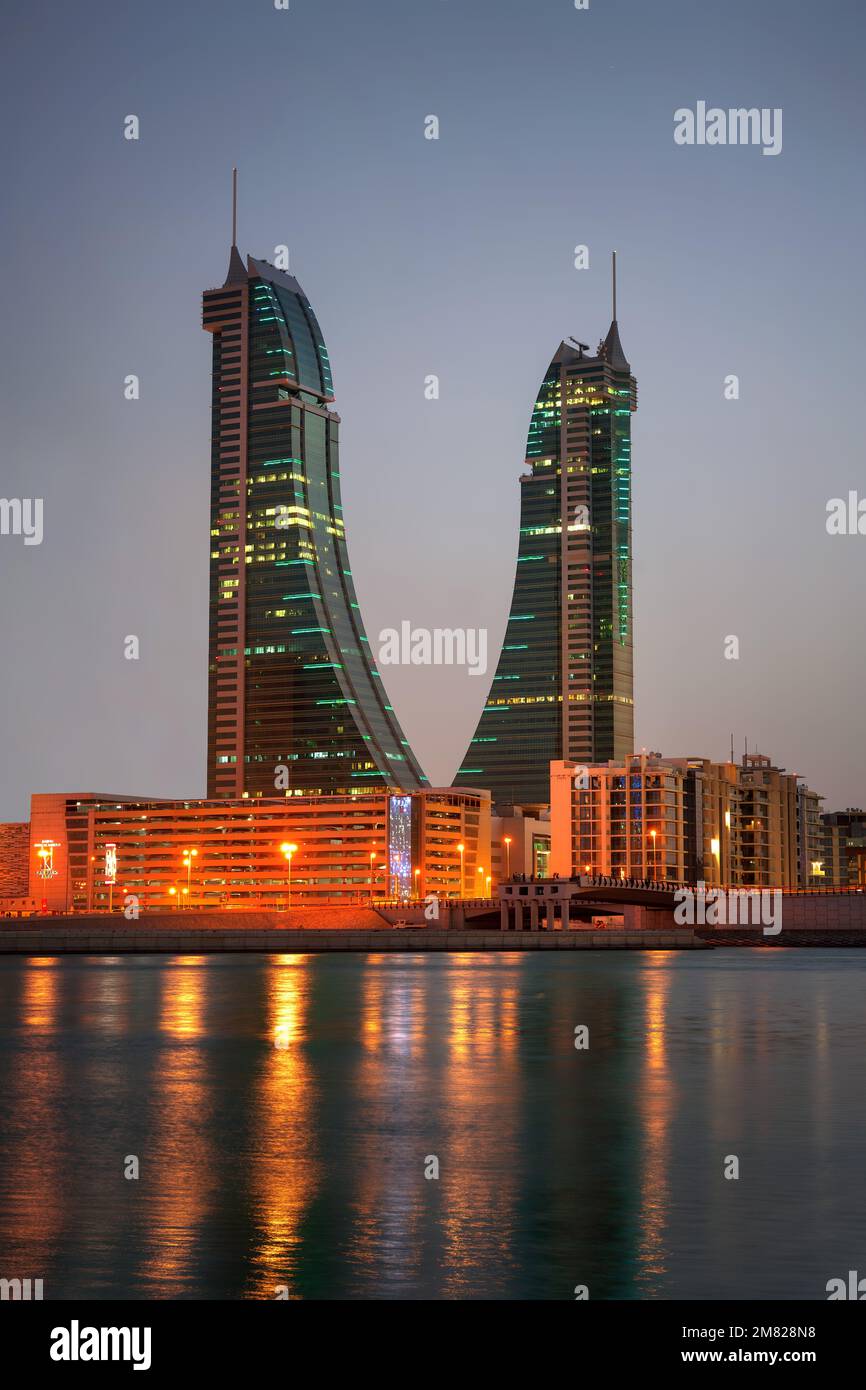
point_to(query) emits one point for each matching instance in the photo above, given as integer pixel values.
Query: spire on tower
(613, 281)
(237, 269)
(611, 347)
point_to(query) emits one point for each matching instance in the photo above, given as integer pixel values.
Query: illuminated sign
(400, 845)
(45, 853)
(111, 863)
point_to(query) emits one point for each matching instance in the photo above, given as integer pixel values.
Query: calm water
(303, 1165)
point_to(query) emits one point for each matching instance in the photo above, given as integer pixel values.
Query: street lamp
(372, 857)
(417, 885)
(461, 849)
(488, 885)
(653, 834)
(172, 893)
(507, 856)
(287, 852)
(188, 856)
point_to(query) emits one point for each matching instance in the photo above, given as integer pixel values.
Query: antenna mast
(234, 207)
(613, 276)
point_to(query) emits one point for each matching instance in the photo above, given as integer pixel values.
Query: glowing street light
(188, 856)
(507, 843)
(172, 893)
(488, 885)
(287, 851)
(461, 849)
(417, 884)
(653, 863)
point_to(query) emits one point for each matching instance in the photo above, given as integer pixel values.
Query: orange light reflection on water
(179, 1183)
(284, 1167)
(655, 1107)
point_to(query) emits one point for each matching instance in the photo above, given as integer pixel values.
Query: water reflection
(284, 1171)
(285, 1112)
(32, 1090)
(655, 1109)
(180, 1154)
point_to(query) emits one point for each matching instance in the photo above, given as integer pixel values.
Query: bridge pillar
(565, 915)
(504, 915)
(533, 914)
(518, 915)
(635, 917)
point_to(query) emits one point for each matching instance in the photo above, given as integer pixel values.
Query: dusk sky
(453, 257)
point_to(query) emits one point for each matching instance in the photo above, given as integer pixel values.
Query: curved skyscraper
(563, 686)
(295, 702)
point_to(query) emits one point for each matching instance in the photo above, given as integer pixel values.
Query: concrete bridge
(551, 904)
(561, 904)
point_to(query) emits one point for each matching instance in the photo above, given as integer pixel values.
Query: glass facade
(400, 862)
(296, 703)
(563, 686)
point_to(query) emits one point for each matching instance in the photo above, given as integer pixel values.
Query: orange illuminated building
(224, 854)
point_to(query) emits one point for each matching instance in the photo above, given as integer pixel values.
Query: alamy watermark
(77, 1343)
(854, 1288)
(22, 516)
(438, 646)
(736, 126)
(20, 1290)
(846, 516)
(727, 907)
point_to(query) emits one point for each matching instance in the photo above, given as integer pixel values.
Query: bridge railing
(665, 885)
(661, 885)
(443, 902)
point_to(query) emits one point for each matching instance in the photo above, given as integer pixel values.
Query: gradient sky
(456, 258)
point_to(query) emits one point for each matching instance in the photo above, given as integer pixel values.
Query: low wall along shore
(807, 920)
(306, 930)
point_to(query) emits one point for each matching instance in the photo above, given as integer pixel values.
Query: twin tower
(295, 699)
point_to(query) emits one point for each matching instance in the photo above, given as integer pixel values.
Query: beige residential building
(841, 862)
(519, 843)
(684, 820)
